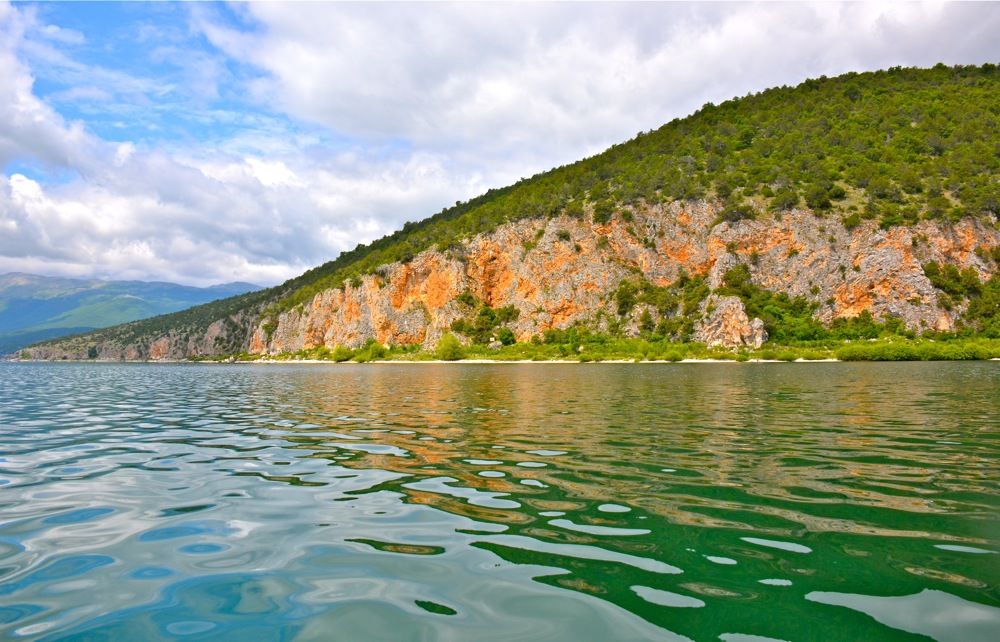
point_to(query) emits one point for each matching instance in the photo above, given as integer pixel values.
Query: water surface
(500, 502)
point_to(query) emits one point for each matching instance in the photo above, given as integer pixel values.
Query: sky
(203, 143)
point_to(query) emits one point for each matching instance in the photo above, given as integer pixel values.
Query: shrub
(735, 213)
(373, 350)
(818, 198)
(449, 348)
(785, 199)
(341, 353)
(467, 298)
(919, 351)
(951, 280)
(603, 211)
(881, 187)
(785, 318)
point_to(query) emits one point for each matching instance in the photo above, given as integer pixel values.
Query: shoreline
(467, 361)
(422, 361)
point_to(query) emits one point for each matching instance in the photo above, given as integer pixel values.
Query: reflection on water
(542, 501)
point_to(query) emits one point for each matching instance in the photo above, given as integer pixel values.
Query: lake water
(500, 502)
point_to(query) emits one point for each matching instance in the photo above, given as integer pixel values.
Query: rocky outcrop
(724, 323)
(563, 271)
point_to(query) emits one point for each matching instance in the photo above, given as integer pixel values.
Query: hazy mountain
(34, 308)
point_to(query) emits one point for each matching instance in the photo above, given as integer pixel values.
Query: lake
(734, 502)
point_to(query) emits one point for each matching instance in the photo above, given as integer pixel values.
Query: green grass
(596, 348)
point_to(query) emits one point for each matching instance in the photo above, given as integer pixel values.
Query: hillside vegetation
(896, 147)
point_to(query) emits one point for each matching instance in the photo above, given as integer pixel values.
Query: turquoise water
(500, 502)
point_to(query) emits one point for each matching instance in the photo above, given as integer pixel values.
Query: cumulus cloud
(149, 215)
(201, 215)
(547, 83)
(321, 126)
(28, 126)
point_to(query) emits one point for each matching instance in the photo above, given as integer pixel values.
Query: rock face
(555, 283)
(725, 323)
(562, 271)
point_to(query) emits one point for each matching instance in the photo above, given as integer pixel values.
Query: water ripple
(646, 502)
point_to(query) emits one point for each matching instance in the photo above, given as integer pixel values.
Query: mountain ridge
(892, 157)
(35, 307)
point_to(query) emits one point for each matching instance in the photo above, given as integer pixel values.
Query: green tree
(449, 348)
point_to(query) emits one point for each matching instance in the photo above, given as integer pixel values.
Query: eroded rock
(725, 324)
(563, 271)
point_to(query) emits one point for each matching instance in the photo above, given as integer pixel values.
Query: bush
(484, 325)
(818, 198)
(341, 353)
(603, 211)
(449, 348)
(736, 213)
(785, 318)
(467, 299)
(951, 280)
(983, 314)
(919, 351)
(785, 199)
(372, 350)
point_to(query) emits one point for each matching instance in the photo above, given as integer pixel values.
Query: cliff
(562, 272)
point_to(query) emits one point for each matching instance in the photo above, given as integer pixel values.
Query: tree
(449, 348)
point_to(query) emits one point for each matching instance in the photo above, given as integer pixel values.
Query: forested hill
(895, 145)
(884, 150)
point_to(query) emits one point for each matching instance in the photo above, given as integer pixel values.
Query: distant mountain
(35, 308)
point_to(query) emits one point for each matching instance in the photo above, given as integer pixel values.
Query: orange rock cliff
(562, 271)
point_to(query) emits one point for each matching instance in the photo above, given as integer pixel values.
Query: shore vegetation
(587, 347)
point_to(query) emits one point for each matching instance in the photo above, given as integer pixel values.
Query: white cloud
(547, 83)
(29, 127)
(429, 104)
(205, 216)
(63, 35)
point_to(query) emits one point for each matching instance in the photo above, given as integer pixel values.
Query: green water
(500, 502)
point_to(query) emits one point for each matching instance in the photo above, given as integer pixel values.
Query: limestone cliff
(562, 271)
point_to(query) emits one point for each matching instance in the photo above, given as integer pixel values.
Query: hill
(862, 200)
(33, 308)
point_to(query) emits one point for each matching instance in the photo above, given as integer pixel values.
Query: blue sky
(141, 73)
(207, 142)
